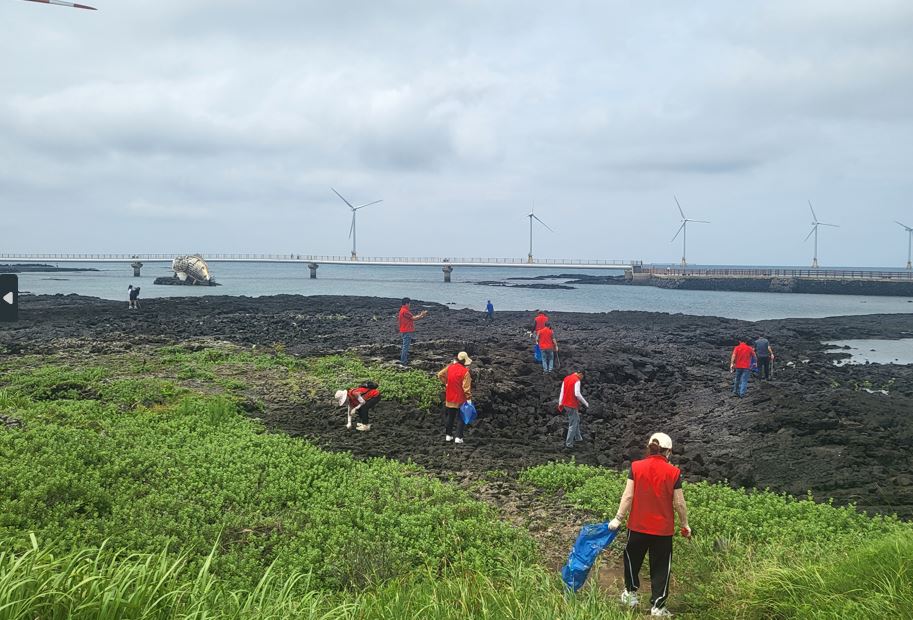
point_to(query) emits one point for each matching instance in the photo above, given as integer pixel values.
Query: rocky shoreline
(816, 427)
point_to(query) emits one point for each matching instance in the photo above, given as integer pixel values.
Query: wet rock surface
(815, 427)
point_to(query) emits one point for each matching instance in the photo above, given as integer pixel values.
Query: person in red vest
(362, 399)
(548, 344)
(653, 492)
(407, 328)
(540, 321)
(743, 356)
(569, 400)
(458, 390)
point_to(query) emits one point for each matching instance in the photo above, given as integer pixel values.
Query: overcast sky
(220, 126)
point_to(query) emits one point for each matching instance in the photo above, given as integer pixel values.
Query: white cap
(664, 441)
(462, 356)
(341, 396)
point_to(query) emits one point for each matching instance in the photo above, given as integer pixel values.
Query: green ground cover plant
(758, 554)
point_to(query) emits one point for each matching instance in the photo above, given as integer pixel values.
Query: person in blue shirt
(490, 309)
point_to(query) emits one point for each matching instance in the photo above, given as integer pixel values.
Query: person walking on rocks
(652, 494)
(132, 297)
(490, 310)
(407, 328)
(362, 399)
(540, 321)
(765, 355)
(548, 344)
(569, 400)
(457, 390)
(740, 362)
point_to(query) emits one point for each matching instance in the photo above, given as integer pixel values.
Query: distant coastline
(40, 268)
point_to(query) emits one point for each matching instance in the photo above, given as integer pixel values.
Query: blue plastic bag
(468, 412)
(754, 365)
(537, 353)
(593, 538)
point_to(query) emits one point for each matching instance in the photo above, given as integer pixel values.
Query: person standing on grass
(548, 344)
(569, 400)
(740, 362)
(407, 328)
(457, 390)
(765, 355)
(652, 494)
(490, 310)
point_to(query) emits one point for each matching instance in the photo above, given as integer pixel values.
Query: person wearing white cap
(458, 390)
(362, 399)
(652, 494)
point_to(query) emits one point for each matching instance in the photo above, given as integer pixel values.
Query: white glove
(614, 524)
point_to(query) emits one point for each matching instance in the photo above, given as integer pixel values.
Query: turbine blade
(352, 227)
(367, 204)
(62, 3)
(543, 223)
(343, 199)
(908, 229)
(700, 221)
(814, 217)
(678, 232)
(831, 225)
(814, 227)
(679, 207)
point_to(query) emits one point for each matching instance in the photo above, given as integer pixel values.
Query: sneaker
(362, 427)
(448, 437)
(458, 440)
(660, 612)
(629, 598)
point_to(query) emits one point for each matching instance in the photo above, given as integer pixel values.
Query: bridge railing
(813, 274)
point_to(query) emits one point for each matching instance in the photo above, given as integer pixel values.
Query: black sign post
(9, 297)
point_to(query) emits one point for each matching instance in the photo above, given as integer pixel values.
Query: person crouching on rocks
(362, 399)
(569, 400)
(457, 390)
(132, 297)
(652, 494)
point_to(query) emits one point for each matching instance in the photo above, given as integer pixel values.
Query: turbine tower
(909, 244)
(683, 229)
(532, 216)
(354, 211)
(814, 231)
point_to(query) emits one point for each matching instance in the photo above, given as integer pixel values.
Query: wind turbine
(909, 243)
(683, 229)
(532, 216)
(814, 230)
(354, 211)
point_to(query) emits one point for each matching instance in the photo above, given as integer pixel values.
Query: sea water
(873, 351)
(426, 283)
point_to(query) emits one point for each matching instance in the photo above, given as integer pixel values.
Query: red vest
(654, 482)
(454, 392)
(540, 321)
(743, 354)
(570, 398)
(546, 339)
(406, 323)
(365, 393)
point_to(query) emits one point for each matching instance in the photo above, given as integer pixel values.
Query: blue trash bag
(593, 538)
(537, 353)
(754, 365)
(468, 412)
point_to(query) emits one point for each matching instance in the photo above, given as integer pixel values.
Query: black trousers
(368, 406)
(660, 549)
(452, 416)
(764, 367)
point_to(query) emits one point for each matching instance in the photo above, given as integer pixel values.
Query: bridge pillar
(313, 268)
(136, 268)
(447, 269)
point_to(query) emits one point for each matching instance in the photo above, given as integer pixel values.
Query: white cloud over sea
(220, 126)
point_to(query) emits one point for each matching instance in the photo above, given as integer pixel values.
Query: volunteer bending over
(653, 492)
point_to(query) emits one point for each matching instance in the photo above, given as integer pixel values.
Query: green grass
(758, 554)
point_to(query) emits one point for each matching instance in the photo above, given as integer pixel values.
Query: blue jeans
(740, 381)
(404, 355)
(573, 427)
(548, 361)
